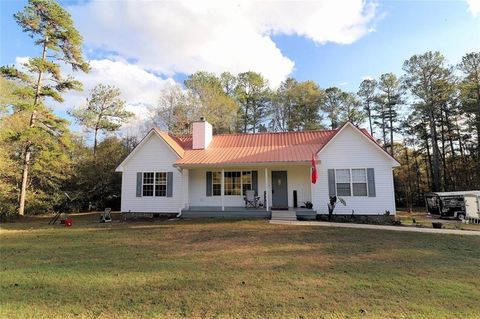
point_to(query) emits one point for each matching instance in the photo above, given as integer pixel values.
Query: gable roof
(174, 142)
(365, 133)
(248, 148)
(170, 140)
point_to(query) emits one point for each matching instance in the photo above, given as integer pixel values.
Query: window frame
(246, 173)
(155, 184)
(235, 180)
(241, 178)
(152, 184)
(161, 183)
(213, 183)
(351, 181)
(366, 182)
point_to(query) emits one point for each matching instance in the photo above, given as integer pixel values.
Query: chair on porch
(250, 199)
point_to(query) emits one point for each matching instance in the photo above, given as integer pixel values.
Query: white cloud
(138, 87)
(474, 7)
(186, 36)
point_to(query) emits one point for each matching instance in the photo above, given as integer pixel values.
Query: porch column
(266, 189)
(186, 188)
(223, 188)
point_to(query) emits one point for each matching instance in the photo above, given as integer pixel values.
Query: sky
(141, 46)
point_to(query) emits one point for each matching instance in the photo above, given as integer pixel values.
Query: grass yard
(223, 268)
(422, 219)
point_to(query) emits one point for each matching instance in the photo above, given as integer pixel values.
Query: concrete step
(285, 219)
(284, 215)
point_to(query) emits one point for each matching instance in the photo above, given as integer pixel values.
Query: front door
(279, 190)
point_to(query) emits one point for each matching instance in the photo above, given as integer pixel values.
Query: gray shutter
(169, 184)
(371, 182)
(209, 183)
(332, 191)
(139, 184)
(255, 182)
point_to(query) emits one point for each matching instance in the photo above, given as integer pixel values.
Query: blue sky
(407, 28)
(142, 46)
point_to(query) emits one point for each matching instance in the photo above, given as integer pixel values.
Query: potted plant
(308, 204)
(437, 225)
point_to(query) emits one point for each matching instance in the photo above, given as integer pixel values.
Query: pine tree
(332, 105)
(52, 28)
(428, 80)
(212, 100)
(296, 105)
(253, 95)
(104, 112)
(470, 97)
(388, 102)
(351, 109)
(367, 94)
(341, 106)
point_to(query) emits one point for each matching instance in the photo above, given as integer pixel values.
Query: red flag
(314, 170)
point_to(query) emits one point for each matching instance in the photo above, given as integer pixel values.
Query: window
(359, 182)
(351, 181)
(216, 183)
(148, 184)
(161, 184)
(236, 183)
(343, 182)
(154, 184)
(246, 181)
(233, 183)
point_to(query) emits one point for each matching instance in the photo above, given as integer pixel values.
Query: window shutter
(331, 183)
(139, 184)
(169, 184)
(209, 183)
(255, 182)
(371, 182)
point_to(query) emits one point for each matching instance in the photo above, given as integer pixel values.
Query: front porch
(222, 189)
(241, 212)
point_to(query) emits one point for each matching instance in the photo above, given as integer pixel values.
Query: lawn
(422, 219)
(225, 268)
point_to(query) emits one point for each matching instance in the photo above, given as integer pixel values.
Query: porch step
(284, 215)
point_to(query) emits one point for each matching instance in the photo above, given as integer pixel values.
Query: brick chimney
(202, 134)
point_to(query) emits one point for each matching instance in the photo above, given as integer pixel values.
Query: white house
(207, 175)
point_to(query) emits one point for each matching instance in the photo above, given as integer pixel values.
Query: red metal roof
(250, 148)
(255, 148)
(173, 142)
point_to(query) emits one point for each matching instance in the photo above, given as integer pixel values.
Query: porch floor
(239, 212)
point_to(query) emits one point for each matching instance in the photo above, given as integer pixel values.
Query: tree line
(428, 118)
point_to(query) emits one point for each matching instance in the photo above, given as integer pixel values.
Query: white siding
(154, 156)
(298, 179)
(351, 150)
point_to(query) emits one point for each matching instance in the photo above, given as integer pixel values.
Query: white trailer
(472, 208)
(452, 204)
